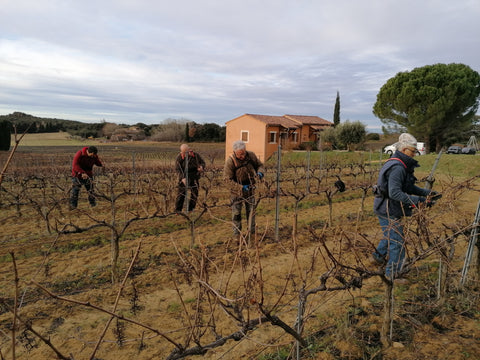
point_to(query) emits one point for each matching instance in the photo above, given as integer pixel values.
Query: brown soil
(162, 291)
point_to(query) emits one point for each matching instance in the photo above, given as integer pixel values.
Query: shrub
(373, 137)
(308, 145)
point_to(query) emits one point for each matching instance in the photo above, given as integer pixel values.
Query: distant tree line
(168, 130)
(32, 124)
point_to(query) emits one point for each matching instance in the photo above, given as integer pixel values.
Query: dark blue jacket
(396, 193)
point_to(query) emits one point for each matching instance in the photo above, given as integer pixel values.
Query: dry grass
(345, 324)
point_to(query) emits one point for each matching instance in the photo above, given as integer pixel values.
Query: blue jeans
(391, 246)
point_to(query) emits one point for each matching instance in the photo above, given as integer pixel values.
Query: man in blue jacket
(396, 195)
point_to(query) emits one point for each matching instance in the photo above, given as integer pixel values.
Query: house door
(283, 139)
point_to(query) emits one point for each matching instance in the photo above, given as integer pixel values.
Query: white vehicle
(421, 148)
(390, 149)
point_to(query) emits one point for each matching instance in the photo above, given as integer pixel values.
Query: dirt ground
(162, 292)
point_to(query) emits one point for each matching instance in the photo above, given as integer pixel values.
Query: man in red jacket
(82, 174)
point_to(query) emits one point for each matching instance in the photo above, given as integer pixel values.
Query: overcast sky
(129, 61)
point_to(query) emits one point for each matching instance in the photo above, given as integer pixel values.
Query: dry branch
(17, 141)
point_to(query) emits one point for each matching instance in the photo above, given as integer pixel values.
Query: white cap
(406, 140)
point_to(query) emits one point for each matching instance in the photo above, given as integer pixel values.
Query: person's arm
(201, 162)
(416, 190)
(76, 168)
(98, 161)
(396, 180)
(230, 179)
(229, 170)
(179, 167)
(257, 164)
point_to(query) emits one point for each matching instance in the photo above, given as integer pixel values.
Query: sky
(210, 61)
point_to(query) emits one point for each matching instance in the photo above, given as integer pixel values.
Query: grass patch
(82, 244)
(174, 308)
(457, 165)
(81, 283)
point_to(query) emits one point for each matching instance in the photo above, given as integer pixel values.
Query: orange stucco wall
(256, 135)
(259, 136)
(271, 147)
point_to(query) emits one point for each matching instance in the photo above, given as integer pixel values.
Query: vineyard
(130, 278)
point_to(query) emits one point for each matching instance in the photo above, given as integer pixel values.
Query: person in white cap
(395, 196)
(241, 172)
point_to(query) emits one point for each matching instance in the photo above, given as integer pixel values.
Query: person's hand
(260, 175)
(200, 169)
(245, 188)
(84, 176)
(184, 181)
(434, 196)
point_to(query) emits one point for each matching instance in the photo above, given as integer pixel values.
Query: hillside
(32, 124)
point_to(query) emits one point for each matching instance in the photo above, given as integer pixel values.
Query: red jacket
(83, 164)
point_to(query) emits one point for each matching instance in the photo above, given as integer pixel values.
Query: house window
(244, 136)
(295, 137)
(272, 137)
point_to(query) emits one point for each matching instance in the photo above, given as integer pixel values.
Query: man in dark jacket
(241, 170)
(395, 196)
(189, 166)
(82, 174)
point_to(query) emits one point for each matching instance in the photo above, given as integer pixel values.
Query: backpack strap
(377, 191)
(398, 159)
(234, 161)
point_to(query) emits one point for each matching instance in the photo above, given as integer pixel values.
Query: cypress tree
(336, 112)
(187, 133)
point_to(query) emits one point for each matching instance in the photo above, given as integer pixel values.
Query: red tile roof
(276, 120)
(292, 121)
(309, 120)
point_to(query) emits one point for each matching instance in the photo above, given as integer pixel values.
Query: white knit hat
(406, 140)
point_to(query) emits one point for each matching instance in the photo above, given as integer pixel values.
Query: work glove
(245, 188)
(434, 196)
(260, 175)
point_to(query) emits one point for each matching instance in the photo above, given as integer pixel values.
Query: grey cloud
(213, 61)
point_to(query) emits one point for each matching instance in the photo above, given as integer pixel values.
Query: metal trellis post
(277, 199)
